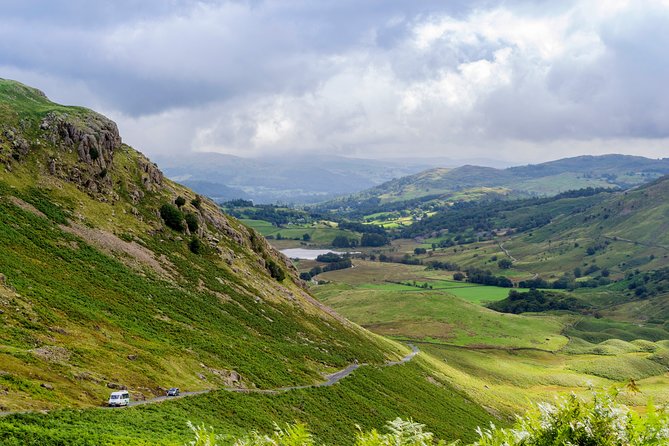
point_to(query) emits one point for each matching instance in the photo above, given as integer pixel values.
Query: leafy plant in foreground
(570, 421)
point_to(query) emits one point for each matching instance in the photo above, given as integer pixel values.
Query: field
(320, 234)
(502, 361)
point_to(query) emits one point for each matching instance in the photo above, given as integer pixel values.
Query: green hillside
(97, 292)
(438, 186)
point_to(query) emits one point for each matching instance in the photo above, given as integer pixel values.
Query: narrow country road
(331, 379)
(508, 254)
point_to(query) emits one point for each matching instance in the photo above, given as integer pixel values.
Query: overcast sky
(520, 81)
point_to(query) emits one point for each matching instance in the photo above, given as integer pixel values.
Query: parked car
(120, 398)
(174, 391)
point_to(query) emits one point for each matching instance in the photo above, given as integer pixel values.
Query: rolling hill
(614, 171)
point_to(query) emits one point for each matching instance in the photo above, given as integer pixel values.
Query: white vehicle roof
(122, 392)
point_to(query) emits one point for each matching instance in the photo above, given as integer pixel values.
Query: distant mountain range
(299, 180)
(616, 171)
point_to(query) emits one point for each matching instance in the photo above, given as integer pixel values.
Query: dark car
(174, 391)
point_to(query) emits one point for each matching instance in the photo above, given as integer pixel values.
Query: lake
(306, 254)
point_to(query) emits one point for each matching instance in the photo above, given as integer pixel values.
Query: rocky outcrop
(93, 138)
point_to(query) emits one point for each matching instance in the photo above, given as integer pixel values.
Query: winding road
(331, 379)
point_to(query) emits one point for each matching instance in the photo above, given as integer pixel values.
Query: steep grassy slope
(368, 398)
(97, 292)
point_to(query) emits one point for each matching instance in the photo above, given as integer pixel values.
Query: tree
(306, 237)
(577, 272)
(195, 245)
(371, 239)
(419, 251)
(197, 201)
(191, 222)
(459, 277)
(172, 217)
(180, 201)
(341, 241)
(505, 264)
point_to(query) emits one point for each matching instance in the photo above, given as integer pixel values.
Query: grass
(320, 234)
(368, 398)
(501, 361)
(438, 316)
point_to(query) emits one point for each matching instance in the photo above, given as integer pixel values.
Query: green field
(502, 361)
(320, 234)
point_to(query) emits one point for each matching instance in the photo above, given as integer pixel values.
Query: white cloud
(531, 79)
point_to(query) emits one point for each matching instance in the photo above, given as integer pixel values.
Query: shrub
(197, 201)
(195, 245)
(571, 421)
(275, 270)
(191, 222)
(172, 217)
(574, 421)
(180, 201)
(505, 264)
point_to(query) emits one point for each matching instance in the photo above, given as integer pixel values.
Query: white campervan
(121, 398)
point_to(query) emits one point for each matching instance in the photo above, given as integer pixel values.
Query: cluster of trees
(273, 214)
(341, 241)
(480, 217)
(485, 277)
(536, 301)
(176, 219)
(374, 239)
(648, 284)
(567, 282)
(361, 227)
(447, 266)
(332, 262)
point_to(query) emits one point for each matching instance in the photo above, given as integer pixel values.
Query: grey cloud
(343, 75)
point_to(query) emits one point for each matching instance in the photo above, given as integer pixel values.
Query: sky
(518, 81)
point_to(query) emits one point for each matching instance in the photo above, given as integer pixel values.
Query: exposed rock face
(94, 138)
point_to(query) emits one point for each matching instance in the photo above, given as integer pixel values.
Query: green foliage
(195, 245)
(574, 421)
(400, 433)
(342, 241)
(275, 270)
(571, 421)
(367, 398)
(192, 222)
(180, 201)
(197, 202)
(374, 240)
(172, 217)
(504, 264)
(536, 301)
